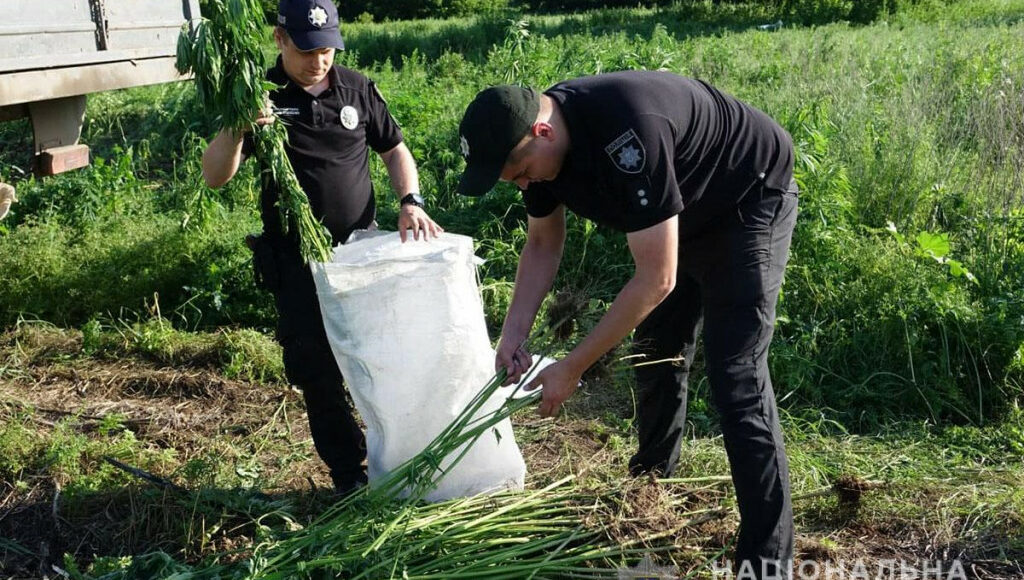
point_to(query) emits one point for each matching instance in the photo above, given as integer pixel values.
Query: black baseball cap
(311, 24)
(494, 123)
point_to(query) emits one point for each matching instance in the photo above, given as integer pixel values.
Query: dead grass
(210, 425)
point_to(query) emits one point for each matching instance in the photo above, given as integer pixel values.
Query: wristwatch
(413, 198)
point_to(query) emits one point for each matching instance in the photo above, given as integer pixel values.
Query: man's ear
(279, 38)
(542, 129)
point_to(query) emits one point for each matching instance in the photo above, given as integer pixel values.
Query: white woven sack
(406, 324)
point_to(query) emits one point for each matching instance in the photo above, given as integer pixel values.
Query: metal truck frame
(55, 52)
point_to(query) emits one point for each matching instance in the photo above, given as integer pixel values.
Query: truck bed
(59, 48)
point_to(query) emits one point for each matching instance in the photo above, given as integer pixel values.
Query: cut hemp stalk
(224, 54)
(563, 530)
(549, 532)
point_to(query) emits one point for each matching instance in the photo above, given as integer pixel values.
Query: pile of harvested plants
(563, 530)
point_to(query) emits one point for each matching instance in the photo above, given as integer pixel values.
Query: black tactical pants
(309, 363)
(728, 281)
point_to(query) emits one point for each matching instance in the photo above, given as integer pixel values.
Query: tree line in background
(801, 11)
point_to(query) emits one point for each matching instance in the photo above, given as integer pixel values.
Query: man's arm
(404, 180)
(538, 265)
(224, 154)
(222, 157)
(655, 252)
(401, 169)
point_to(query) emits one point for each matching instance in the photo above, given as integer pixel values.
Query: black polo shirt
(329, 138)
(647, 145)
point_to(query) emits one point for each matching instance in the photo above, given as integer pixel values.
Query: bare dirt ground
(193, 428)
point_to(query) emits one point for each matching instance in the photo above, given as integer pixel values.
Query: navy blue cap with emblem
(311, 24)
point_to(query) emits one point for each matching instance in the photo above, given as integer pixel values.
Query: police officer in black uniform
(701, 183)
(334, 116)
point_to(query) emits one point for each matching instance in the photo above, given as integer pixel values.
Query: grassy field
(132, 330)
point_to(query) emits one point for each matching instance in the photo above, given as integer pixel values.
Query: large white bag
(406, 324)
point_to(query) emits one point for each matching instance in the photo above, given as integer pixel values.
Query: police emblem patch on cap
(627, 152)
(317, 16)
(349, 117)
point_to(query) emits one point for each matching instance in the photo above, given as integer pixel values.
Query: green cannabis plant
(224, 54)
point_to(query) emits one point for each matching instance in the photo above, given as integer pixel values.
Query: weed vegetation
(899, 349)
(904, 293)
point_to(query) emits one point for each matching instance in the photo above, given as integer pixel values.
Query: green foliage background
(905, 293)
(802, 11)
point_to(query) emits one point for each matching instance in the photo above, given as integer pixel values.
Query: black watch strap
(413, 198)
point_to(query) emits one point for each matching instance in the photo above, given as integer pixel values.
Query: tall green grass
(914, 121)
(917, 124)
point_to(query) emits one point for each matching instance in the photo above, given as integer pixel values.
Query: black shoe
(343, 491)
(349, 485)
(648, 471)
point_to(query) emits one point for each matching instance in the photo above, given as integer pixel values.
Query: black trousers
(309, 363)
(728, 283)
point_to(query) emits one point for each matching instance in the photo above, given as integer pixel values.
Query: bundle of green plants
(561, 530)
(388, 531)
(225, 55)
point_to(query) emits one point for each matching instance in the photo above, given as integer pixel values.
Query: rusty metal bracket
(57, 122)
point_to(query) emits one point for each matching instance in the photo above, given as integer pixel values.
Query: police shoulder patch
(627, 152)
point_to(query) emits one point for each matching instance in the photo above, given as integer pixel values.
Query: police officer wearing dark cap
(702, 185)
(334, 117)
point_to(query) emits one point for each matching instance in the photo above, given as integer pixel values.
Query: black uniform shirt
(646, 145)
(329, 137)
